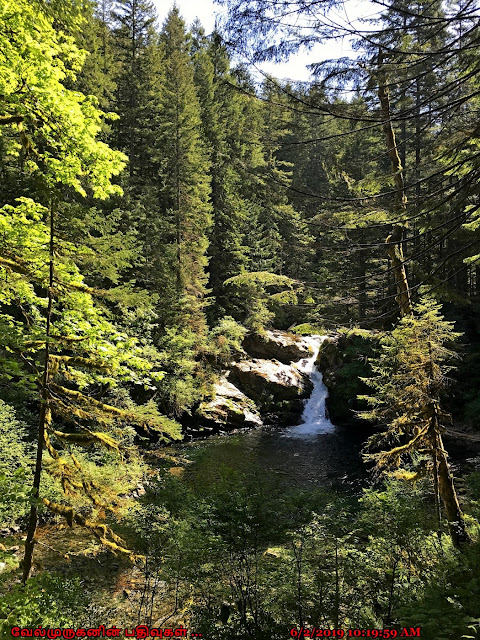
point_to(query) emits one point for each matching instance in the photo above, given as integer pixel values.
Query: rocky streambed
(266, 385)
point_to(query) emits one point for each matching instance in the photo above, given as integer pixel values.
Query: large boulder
(276, 345)
(343, 362)
(228, 409)
(330, 358)
(270, 382)
(259, 389)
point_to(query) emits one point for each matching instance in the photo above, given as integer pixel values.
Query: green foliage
(409, 375)
(133, 60)
(212, 543)
(97, 75)
(98, 353)
(323, 560)
(308, 329)
(47, 600)
(187, 380)
(226, 339)
(235, 210)
(448, 605)
(225, 128)
(54, 339)
(256, 293)
(185, 194)
(57, 128)
(15, 467)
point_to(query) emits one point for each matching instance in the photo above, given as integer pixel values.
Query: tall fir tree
(184, 182)
(134, 31)
(222, 125)
(410, 375)
(97, 76)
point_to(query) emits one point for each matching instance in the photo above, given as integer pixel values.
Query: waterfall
(314, 419)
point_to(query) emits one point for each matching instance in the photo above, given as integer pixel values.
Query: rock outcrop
(228, 409)
(343, 362)
(257, 390)
(270, 380)
(278, 389)
(276, 345)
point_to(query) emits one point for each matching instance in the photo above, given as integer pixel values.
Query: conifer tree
(410, 375)
(223, 125)
(184, 180)
(74, 351)
(53, 337)
(282, 231)
(97, 76)
(133, 34)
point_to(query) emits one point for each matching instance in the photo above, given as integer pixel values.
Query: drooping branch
(11, 119)
(103, 532)
(77, 361)
(104, 412)
(14, 266)
(88, 437)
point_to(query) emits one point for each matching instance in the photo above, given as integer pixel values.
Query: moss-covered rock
(257, 390)
(343, 361)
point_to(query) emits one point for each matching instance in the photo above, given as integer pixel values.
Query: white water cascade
(314, 418)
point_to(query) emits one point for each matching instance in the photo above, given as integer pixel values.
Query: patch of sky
(350, 16)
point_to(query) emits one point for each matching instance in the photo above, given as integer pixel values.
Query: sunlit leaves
(57, 127)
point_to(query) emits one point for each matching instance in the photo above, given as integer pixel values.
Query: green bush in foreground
(47, 600)
(15, 461)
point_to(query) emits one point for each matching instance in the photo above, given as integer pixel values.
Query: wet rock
(276, 345)
(259, 390)
(329, 357)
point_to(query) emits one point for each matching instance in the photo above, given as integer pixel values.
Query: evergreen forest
(186, 243)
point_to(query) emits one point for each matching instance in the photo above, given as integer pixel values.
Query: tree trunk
(443, 479)
(456, 522)
(395, 239)
(336, 609)
(362, 280)
(178, 213)
(44, 418)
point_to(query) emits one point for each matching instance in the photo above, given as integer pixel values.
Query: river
(314, 453)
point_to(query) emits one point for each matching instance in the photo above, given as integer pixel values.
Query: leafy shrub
(15, 463)
(258, 295)
(226, 340)
(47, 600)
(186, 381)
(308, 329)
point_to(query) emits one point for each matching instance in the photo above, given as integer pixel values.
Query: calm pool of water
(321, 460)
